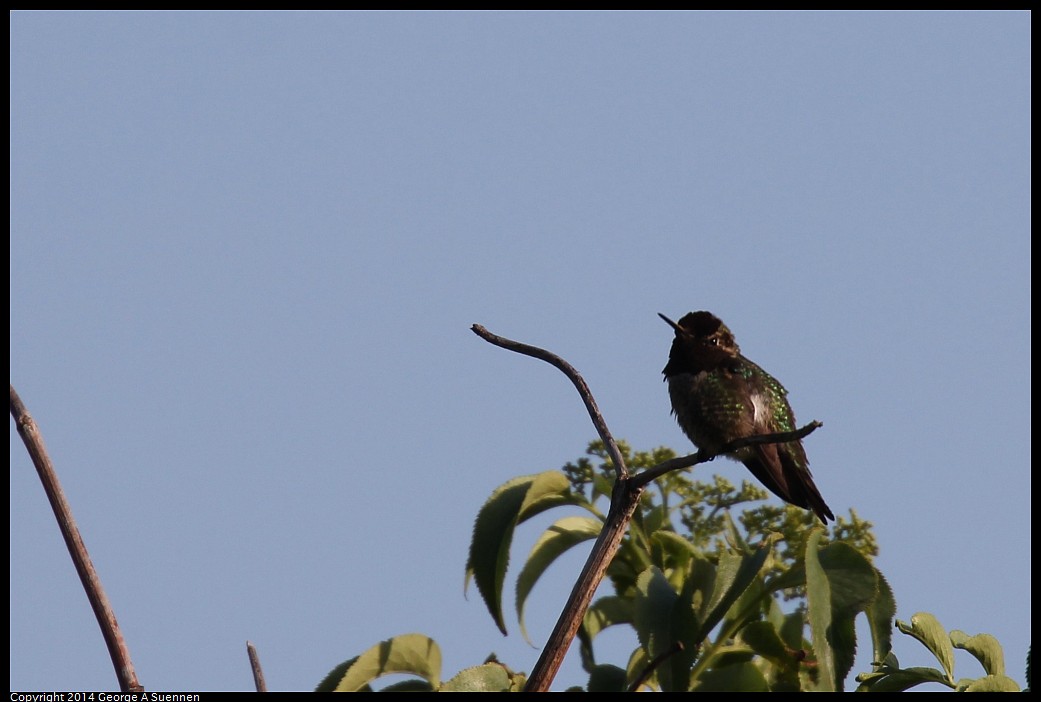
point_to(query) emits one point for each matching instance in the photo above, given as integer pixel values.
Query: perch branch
(703, 456)
(110, 630)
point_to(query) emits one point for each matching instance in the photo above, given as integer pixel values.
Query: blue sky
(246, 251)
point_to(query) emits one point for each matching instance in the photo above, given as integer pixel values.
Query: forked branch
(624, 499)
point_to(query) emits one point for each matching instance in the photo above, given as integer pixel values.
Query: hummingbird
(719, 396)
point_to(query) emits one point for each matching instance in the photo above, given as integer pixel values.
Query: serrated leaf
(738, 677)
(734, 574)
(413, 654)
(748, 605)
(854, 587)
(984, 647)
(762, 637)
(558, 538)
(840, 584)
(765, 640)
(818, 600)
(549, 489)
(330, 681)
(489, 677)
(606, 611)
(673, 554)
(674, 544)
(653, 518)
(795, 576)
(927, 629)
(880, 615)
(791, 630)
(898, 680)
(511, 503)
(635, 667)
(412, 685)
(734, 536)
(698, 588)
(993, 683)
(853, 579)
(654, 609)
(606, 678)
(602, 486)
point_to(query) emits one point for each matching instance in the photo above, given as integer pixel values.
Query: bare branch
(110, 630)
(624, 500)
(621, 471)
(254, 663)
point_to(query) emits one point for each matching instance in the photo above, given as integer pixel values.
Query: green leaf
(558, 538)
(330, 681)
(675, 545)
(602, 486)
(899, 679)
(854, 587)
(733, 576)
(510, 504)
(489, 677)
(673, 554)
(851, 575)
(653, 611)
(791, 630)
(605, 612)
(880, 615)
(765, 640)
(548, 489)
(984, 647)
(413, 654)
(927, 629)
(411, 685)
(652, 608)
(654, 518)
(698, 588)
(993, 683)
(840, 584)
(635, 667)
(818, 598)
(738, 677)
(607, 678)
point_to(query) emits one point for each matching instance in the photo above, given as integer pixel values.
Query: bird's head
(702, 342)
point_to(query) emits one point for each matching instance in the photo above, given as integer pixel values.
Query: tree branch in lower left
(110, 630)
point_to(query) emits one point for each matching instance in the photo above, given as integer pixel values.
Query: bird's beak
(678, 328)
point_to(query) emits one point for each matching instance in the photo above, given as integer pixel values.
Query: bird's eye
(714, 341)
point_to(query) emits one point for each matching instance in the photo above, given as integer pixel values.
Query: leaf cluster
(723, 592)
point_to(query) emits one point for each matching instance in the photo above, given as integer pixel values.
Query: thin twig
(110, 630)
(254, 663)
(672, 650)
(621, 471)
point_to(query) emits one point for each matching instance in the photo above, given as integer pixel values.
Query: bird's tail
(788, 478)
